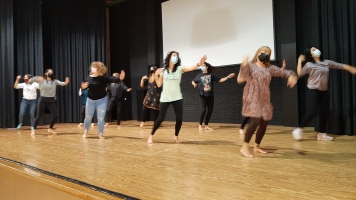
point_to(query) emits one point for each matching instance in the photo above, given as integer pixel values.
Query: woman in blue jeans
(28, 100)
(97, 99)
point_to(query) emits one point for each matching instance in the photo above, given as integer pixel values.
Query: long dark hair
(211, 68)
(154, 70)
(168, 59)
(308, 55)
(53, 77)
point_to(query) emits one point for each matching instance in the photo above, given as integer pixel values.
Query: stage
(206, 165)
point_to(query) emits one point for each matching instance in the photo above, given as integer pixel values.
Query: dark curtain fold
(7, 64)
(74, 36)
(29, 45)
(332, 26)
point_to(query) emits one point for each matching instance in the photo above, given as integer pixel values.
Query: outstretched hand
(244, 61)
(231, 75)
(129, 90)
(66, 81)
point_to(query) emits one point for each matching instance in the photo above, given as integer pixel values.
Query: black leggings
(82, 115)
(244, 122)
(145, 115)
(261, 124)
(317, 105)
(178, 110)
(108, 111)
(206, 102)
(41, 107)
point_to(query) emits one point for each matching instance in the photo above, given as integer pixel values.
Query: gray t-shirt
(319, 73)
(47, 88)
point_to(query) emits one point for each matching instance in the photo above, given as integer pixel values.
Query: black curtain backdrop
(7, 64)
(73, 37)
(330, 26)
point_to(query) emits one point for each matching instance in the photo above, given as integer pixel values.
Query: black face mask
(50, 75)
(263, 57)
(151, 71)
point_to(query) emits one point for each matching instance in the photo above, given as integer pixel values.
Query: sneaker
(323, 136)
(297, 133)
(19, 126)
(242, 132)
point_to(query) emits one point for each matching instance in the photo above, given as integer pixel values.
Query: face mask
(151, 71)
(25, 80)
(93, 70)
(203, 68)
(50, 75)
(174, 59)
(263, 57)
(317, 53)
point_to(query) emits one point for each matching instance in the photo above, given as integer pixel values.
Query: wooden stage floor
(206, 165)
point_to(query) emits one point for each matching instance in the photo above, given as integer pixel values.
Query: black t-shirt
(206, 83)
(97, 86)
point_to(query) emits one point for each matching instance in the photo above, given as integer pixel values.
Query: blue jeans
(100, 107)
(25, 103)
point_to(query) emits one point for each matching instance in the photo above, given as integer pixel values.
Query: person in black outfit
(116, 91)
(151, 101)
(206, 92)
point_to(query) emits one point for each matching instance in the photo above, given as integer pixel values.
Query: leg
(243, 123)
(108, 112)
(23, 107)
(144, 115)
(53, 109)
(323, 116)
(118, 105)
(90, 106)
(312, 105)
(259, 136)
(178, 109)
(94, 119)
(203, 103)
(82, 115)
(32, 112)
(162, 115)
(101, 112)
(249, 132)
(41, 106)
(210, 104)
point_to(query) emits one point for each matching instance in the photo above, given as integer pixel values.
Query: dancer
(317, 92)
(245, 119)
(84, 95)
(48, 85)
(116, 91)
(97, 96)
(170, 78)
(28, 100)
(206, 92)
(256, 95)
(151, 100)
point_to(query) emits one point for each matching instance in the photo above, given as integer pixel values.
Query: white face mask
(93, 70)
(317, 53)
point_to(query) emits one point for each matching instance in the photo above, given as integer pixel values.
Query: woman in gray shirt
(318, 70)
(48, 84)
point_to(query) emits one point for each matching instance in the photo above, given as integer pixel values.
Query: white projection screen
(224, 30)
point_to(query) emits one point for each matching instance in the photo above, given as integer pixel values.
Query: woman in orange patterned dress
(256, 103)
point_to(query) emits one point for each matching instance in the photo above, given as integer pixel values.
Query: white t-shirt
(29, 90)
(171, 85)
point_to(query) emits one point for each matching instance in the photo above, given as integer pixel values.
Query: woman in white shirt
(28, 100)
(169, 78)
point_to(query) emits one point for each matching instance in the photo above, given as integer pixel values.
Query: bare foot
(32, 132)
(242, 132)
(259, 150)
(52, 131)
(81, 124)
(150, 140)
(92, 124)
(200, 128)
(246, 153)
(206, 127)
(118, 127)
(176, 139)
(101, 136)
(85, 135)
(106, 124)
(141, 125)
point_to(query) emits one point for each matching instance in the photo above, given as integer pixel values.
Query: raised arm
(159, 77)
(240, 78)
(195, 66)
(142, 83)
(349, 68)
(60, 83)
(17, 81)
(225, 78)
(37, 79)
(299, 65)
